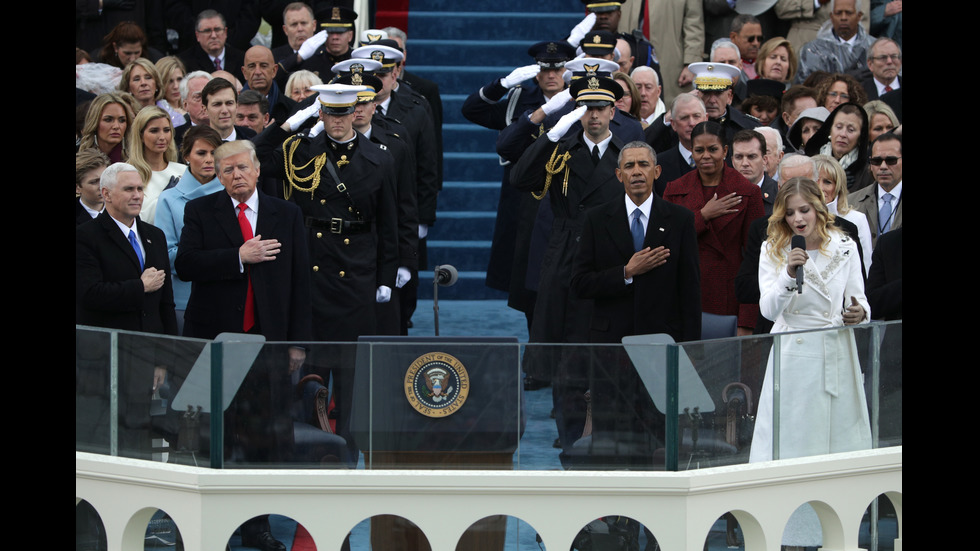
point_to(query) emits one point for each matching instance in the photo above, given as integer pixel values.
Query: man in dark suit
(246, 256)
(221, 102)
(885, 64)
(298, 24)
(750, 158)
(574, 165)
(212, 53)
(122, 282)
(638, 260)
(687, 110)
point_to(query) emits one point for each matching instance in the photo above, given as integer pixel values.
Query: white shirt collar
(896, 193)
(644, 208)
(603, 145)
(881, 87)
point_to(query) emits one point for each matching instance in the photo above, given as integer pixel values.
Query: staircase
(462, 51)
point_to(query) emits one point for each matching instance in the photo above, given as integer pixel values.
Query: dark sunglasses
(890, 161)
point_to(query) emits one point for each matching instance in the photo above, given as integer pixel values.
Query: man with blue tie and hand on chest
(638, 261)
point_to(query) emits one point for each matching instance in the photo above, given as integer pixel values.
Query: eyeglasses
(842, 95)
(756, 38)
(886, 57)
(215, 30)
(890, 161)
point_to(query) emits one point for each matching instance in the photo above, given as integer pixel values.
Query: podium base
(395, 533)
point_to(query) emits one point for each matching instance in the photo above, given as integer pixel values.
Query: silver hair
(395, 32)
(187, 78)
(793, 160)
(111, 174)
(724, 43)
(636, 145)
(645, 69)
(770, 132)
(685, 98)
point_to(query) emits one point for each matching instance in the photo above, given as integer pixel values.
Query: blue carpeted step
(491, 25)
(467, 138)
(471, 286)
(452, 108)
(468, 167)
(470, 196)
(464, 255)
(464, 225)
(472, 52)
(461, 80)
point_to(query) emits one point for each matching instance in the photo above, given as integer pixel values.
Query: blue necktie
(884, 217)
(136, 247)
(636, 228)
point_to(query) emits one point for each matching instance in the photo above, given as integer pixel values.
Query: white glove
(578, 32)
(557, 101)
(519, 75)
(313, 43)
(317, 128)
(423, 230)
(403, 277)
(565, 123)
(300, 116)
(383, 294)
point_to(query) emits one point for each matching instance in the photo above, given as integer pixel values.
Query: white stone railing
(679, 508)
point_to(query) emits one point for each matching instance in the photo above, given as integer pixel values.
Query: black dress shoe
(265, 542)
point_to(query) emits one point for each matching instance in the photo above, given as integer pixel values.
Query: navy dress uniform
(345, 186)
(575, 179)
(486, 108)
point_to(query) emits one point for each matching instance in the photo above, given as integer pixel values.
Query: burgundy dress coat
(720, 241)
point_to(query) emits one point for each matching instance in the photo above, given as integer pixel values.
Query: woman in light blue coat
(199, 180)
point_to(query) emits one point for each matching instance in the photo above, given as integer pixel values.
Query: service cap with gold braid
(713, 77)
(371, 83)
(337, 99)
(372, 35)
(384, 54)
(595, 91)
(598, 43)
(352, 66)
(552, 54)
(336, 19)
(599, 6)
(589, 67)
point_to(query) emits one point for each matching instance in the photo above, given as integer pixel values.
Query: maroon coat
(720, 241)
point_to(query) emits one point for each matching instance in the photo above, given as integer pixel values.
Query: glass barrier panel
(462, 403)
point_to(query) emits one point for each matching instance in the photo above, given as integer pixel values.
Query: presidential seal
(436, 384)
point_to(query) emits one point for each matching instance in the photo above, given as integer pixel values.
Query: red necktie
(250, 294)
(888, 89)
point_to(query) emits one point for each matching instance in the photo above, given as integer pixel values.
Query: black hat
(361, 79)
(598, 6)
(596, 91)
(766, 87)
(598, 43)
(336, 19)
(552, 54)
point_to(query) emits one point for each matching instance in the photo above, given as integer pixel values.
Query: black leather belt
(339, 225)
